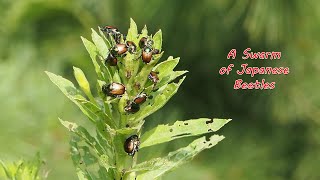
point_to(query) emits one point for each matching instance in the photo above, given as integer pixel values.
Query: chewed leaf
(96, 151)
(158, 166)
(157, 38)
(84, 135)
(180, 129)
(161, 97)
(81, 157)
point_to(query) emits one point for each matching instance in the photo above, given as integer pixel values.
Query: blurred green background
(274, 133)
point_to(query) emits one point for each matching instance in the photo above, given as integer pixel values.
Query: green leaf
(172, 76)
(6, 170)
(66, 87)
(157, 38)
(130, 67)
(94, 112)
(104, 142)
(161, 97)
(83, 83)
(106, 105)
(89, 109)
(165, 70)
(166, 67)
(144, 32)
(104, 174)
(159, 166)
(100, 44)
(180, 129)
(103, 50)
(132, 32)
(92, 50)
(130, 130)
(27, 170)
(121, 104)
(116, 77)
(105, 38)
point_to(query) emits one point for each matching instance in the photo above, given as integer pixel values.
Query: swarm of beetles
(115, 89)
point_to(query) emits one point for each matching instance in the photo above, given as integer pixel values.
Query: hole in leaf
(204, 142)
(127, 125)
(207, 138)
(210, 144)
(171, 130)
(210, 121)
(209, 130)
(185, 123)
(183, 134)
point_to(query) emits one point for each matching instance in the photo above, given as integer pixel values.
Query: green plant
(102, 156)
(23, 169)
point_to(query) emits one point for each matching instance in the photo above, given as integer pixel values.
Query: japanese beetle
(153, 76)
(132, 107)
(143, 42)
(113, 31)
(111, 60)
(140, 98)
(131, 145)
(146, 55)
(119, 49)
(113, 89)
(131, 47)
(110, 29)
